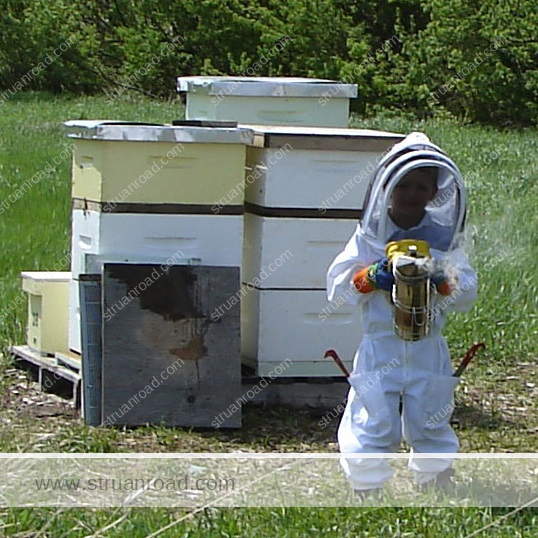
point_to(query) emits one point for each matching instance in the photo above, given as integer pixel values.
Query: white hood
(446, 210)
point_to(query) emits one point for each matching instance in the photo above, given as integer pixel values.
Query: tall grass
(281, 523)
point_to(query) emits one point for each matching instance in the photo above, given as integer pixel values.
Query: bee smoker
(411, 265)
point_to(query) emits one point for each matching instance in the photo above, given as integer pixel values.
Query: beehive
(213, 240)
(154, 193)
(119, 163)
(268, 101)
(305, 189)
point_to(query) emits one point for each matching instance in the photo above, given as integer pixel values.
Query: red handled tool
(332, 353)
(468, 357)
(460, 369)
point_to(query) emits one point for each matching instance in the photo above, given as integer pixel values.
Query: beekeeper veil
(445, 213)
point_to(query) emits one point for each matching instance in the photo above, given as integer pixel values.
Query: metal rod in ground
(468, 357)
(332, 353)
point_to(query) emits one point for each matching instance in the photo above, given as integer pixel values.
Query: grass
(496, 400)
(283, 522)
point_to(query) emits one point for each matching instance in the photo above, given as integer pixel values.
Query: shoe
(372, 493)
(442, 482)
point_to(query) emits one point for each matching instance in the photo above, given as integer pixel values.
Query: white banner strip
(250, 480)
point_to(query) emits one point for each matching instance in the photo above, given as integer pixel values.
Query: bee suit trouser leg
(387, 369)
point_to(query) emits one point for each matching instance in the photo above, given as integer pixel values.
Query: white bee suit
(387, 368)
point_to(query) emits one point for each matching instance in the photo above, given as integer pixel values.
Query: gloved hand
(379, 276)
(441, 283)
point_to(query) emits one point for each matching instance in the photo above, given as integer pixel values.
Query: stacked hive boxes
(151, 193)
(268, 101)
(145, 193)
(305, 184)
(305, 188)
(156, 194)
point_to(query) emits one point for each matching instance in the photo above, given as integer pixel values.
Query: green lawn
(497, 400)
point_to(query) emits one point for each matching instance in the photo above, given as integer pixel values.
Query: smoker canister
(411, 295)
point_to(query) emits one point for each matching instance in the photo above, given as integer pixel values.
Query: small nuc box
(48, 307)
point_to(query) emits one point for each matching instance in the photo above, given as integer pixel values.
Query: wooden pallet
(68, 360)
(58, 375)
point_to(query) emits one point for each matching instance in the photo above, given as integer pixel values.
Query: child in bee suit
(417, 193)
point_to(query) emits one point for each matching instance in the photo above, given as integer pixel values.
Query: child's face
(412, 193)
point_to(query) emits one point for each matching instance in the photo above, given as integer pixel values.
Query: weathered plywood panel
(166, 360)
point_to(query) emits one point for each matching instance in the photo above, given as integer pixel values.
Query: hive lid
(146, 132)
(265, 86)
(322, 138)
(47, 276)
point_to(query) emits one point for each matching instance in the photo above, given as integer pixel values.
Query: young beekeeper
(414, 214)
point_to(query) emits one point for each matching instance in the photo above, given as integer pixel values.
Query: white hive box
(182, 238)
(48, 301)
(268, 101)
(292, 253)
(293, 167)
(292, 324)
(156, 164)
(178, 239)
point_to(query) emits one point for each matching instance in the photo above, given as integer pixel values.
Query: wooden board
(165, 358)
(71, 360)
(300, 392)
(332, 142)
(155, 209)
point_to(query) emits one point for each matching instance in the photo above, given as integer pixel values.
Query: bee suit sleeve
(356, 255)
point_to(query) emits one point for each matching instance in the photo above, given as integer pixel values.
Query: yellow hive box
(143, 164)
(48, 310)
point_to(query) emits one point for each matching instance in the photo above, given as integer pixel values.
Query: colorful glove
(441, 284)
(361, 282)
(379, 277)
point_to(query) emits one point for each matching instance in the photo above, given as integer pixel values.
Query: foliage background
(417, 46)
